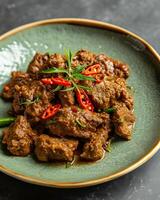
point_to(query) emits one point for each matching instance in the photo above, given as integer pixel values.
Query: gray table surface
(139, 16)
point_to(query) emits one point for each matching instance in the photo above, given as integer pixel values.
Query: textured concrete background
(139, 16)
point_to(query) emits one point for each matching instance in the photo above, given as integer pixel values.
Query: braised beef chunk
(29, 95)
(19, 137)
(123, 120)
(113, 67)
(108, 91)
(34, 111)
(74, 102)
(83, 57)
(38, 63)
(17, 79)
(101, 94)
(45, 61)
(49, 148)
(78, 122)
(122, 94)
(57, 60)
(66, 98)
(93, 149)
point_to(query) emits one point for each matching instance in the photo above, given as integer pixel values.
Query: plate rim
(133, 166)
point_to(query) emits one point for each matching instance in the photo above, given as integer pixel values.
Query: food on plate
(67, 105)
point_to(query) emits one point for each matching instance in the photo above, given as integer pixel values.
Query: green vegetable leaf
(80, 124)
(108, 144)
(29, 102)
(5, 121)
(108, 148)
(54, 70)
(84, 87)
(59, 87)
(69, 56)
(74, 84)
(51, 121)
(110, 110)
(82, 77)
(79, 69)
(73, 73)
(68, 89)
(69, 164)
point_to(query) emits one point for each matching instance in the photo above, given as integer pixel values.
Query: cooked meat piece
(33, 89)
(66, 98)
(38, 63)
(34, 111)
(93, 150)
(17, 106)
(17, 79)
(19, 137)
(28, 94)
(33, 98)
(19, 75)
(113, 67)
(83, 57)
(78, 122)
(104, 94)
(101, 94)
(57, 60)
(121, 94)
(123, 120)
(48, 148)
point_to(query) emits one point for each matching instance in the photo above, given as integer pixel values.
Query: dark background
(139, 16)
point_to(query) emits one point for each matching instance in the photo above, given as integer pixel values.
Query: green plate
(17, 48)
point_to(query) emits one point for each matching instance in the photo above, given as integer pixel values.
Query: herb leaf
(110, 110)
(69, 164)
(83, 77)
(29, 102)
(80, 124)
(68, 89)
(84, 87)
(79, 69)
(108, 148)
(51, 121)
(54, 70)
(72, 73)
(109, 142)
(59, 87)
(69, 56)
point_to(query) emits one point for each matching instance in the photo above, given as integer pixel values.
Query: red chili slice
(56, 81)
(98, 77)
(84, 100)
(47, 81)
(51, 111)
(93, 69)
